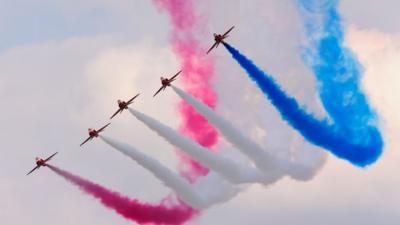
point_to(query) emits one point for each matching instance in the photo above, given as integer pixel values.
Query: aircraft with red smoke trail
(123, 105)
(219, 38)
(166, 82)
(41, 162)
(94, 133)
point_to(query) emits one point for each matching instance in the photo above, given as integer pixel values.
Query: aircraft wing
(50, 157)
(101, 129)
(212, 47)
(89, 138)
(36, 167)
(228, 31)
(158, 91)
(119, 110)
(172, 78)
(133, 98)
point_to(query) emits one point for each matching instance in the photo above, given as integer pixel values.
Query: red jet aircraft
(41, 162)
(94, 133)
(166, 82)
(123, 105)
(219, 38)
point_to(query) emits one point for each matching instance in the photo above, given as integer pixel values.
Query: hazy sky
(63, 65)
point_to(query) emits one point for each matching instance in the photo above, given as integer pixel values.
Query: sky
(63, 65)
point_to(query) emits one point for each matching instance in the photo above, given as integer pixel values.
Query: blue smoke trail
(335, 67)
(360, 145)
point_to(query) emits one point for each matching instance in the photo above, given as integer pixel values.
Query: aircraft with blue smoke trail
(123, 105)
(165, 82)
(94, 133)
(41, 162)
(219, 38)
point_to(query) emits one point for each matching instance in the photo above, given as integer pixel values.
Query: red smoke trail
(198, 71)
(131, 209)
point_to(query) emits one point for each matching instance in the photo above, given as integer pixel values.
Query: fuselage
(165, 81)
(40, 162)
(218, 38)
(93, 133)
(122, 104)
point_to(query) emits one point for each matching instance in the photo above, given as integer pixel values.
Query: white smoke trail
(234, 172)
(170, 179)
(191, 194)
(262, 159)
(271, 165)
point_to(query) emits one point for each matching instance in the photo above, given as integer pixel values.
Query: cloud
(380, 55)
(54, 92)
(51, 92)
(368, 14)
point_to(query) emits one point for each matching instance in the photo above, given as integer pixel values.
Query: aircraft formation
(123, 105)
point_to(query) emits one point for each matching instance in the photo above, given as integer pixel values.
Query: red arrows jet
(166, 82)
(123, 105)
(94, 133)
(41, 162)
(219, 38)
